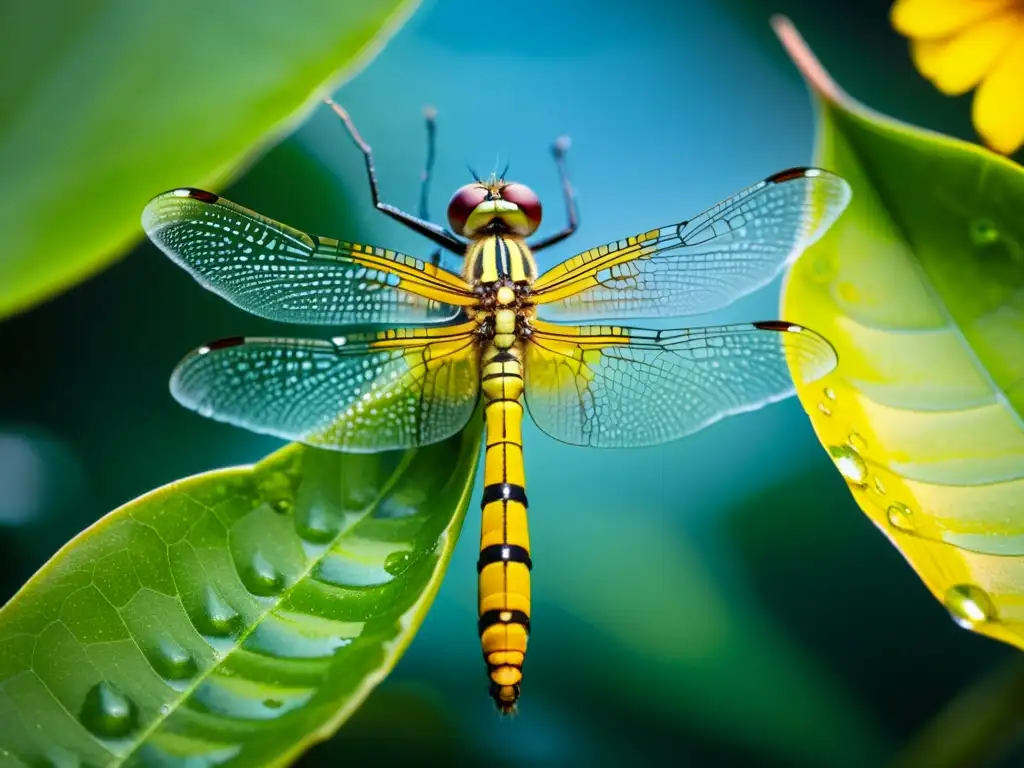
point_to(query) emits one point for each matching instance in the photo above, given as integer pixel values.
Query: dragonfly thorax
(503, 315)
(497, 257)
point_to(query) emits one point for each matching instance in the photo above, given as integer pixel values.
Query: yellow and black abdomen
(504, 564)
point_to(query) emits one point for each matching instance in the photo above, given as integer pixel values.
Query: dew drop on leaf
(969, 605)
(277, 490)
(849, 463)
(900, 517)
(849, 293)
(825, 410)
(984, 232)
(316, 524)
(857, 441)
(172, 661)
(829, 393)
(107, 712)
(823, 267)
(261, 577)
(218, 618)
(397, 563)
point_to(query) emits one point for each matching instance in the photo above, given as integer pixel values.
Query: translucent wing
(274, 271)
(360, 393)
(699, 265)
(607, 386)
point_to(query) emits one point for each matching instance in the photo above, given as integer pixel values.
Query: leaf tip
(806, 62)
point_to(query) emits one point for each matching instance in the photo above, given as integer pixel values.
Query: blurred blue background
(720, 600)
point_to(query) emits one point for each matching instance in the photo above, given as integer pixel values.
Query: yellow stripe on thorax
(494, 257)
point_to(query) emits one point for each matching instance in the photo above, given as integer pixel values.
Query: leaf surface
(920, 288)
(110, 102)
(239, 615)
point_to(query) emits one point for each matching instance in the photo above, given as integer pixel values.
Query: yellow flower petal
(999, 102)
(941, 18)
(958, 63)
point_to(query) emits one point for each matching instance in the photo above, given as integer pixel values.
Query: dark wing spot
(201, 194)
(788, 175)
(231, 341)
(777, 325)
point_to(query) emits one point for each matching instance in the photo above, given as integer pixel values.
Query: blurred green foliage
(692, 653)
(106, 103)
(237, 615)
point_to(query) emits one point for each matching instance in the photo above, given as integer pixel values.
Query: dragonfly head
(495, 205)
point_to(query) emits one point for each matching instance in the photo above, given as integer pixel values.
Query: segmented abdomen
(504, 564)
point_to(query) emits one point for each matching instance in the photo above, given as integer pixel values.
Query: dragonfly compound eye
(527, 200)
(463, 203)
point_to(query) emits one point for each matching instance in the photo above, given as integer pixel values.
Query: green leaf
(116, 101)
(920, 287)
(241, 614)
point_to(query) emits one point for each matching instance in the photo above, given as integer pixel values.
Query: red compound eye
(463, 203)
(526, 199)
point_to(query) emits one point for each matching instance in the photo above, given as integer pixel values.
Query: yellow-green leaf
(920, 287)
(105, 104)
(238, 615)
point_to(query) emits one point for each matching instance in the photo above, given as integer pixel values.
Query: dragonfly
(500, 334)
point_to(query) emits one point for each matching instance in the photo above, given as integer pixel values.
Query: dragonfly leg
(432, 231)
(558, 151)
(430, 116)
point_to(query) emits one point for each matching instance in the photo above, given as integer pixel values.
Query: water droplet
(900, 517)
(850, 464)
(229, 489)
(346, 569)
(397, 563)
(984, 232)
(172, 661)
(825, 410)
(829, 393)
(857, 441)
(165, 709)
(107, 712)
(879, 486)
(823, 267)
(969, 605)
(261, 577)
(277, 490)
(315, 523)
(848, 292)
(218, 618)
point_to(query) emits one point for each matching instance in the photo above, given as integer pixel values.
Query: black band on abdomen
(491, 618)
(502, 375)
(503, 553)
(504, 492)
